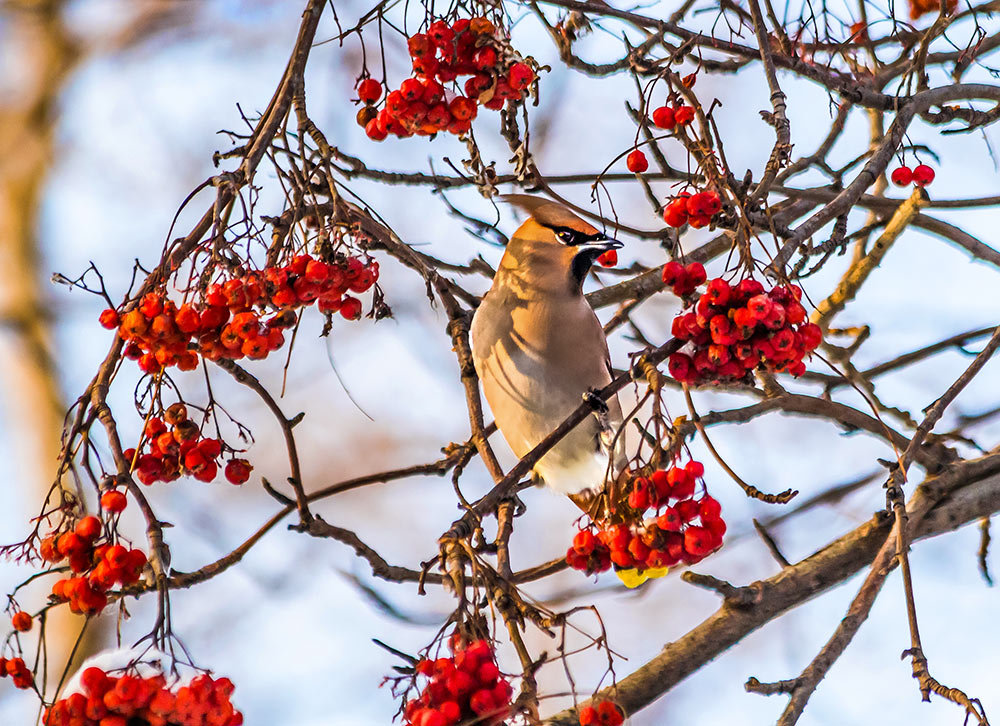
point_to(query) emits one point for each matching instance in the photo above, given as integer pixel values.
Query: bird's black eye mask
(572, 238)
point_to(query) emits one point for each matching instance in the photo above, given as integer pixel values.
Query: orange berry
(21, 622)
(109, 319)
(88, 528)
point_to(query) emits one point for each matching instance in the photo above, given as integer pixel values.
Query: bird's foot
(519, 506)
(592, 399)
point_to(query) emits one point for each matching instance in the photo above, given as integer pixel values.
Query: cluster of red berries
(421, 105)
(670, 117)
(465, 688)
(695, 209)
(665, 117)
(683, 280)
(602, 713)
(734, 328)
(672, 536)
(19, 673)
(225, 325)
(130, 700)
(99, 566)
(921, 175)
(176, 447)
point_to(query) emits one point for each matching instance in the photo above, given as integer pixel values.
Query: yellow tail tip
(632, 578)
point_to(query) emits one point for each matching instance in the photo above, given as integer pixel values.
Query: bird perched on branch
(539, 349)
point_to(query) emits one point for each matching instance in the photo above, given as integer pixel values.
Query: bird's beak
(599, 246)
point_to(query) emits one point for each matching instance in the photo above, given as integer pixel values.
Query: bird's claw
(592, 399)
(519, 506)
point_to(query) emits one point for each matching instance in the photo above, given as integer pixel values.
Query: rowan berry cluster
(131, 700)
(602, 713)
(19, 673)
(175, 447)
(695, 209)
(734, 328)
(670, 117)
(921, 175)
(422, 106)
(230, 322)
(99, 565)
(465, 688)
(684, 529)
(684, 280)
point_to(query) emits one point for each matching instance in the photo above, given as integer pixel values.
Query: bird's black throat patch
(582, 262)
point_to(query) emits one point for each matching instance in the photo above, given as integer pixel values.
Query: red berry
(238, 471)
(113, 501)
(69, 544)
(451, 711)
(608, 259)
(375, 132)
(681, 367)
(462, 108)
(696, 273)
(698, 541)
(109, 319)
(718, 292)
(923, 175)
(484, 58)
(663, 117)
(482, 702)
(675, 216)
(418, 45)
(669, 520)
(687, 509)
(520, 76)
(902, 176)
(460, 683)
(488, 673)
(609, 714)
(133, 324)
(88, 528)
(350, 308)
(21, 622)
(636, 162)
(584, 542)
(638, 549)
(709, 508)
(673, 272)
(151, 305)
(411, 89)
(369, 90)
(684, 115)
(588, 716)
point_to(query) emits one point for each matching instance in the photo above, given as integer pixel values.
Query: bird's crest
(548, 213)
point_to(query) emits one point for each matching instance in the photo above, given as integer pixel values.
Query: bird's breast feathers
(536, 362)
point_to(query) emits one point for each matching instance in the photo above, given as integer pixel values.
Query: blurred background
(109, 113)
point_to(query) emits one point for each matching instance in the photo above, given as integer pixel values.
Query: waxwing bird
(539, 348)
